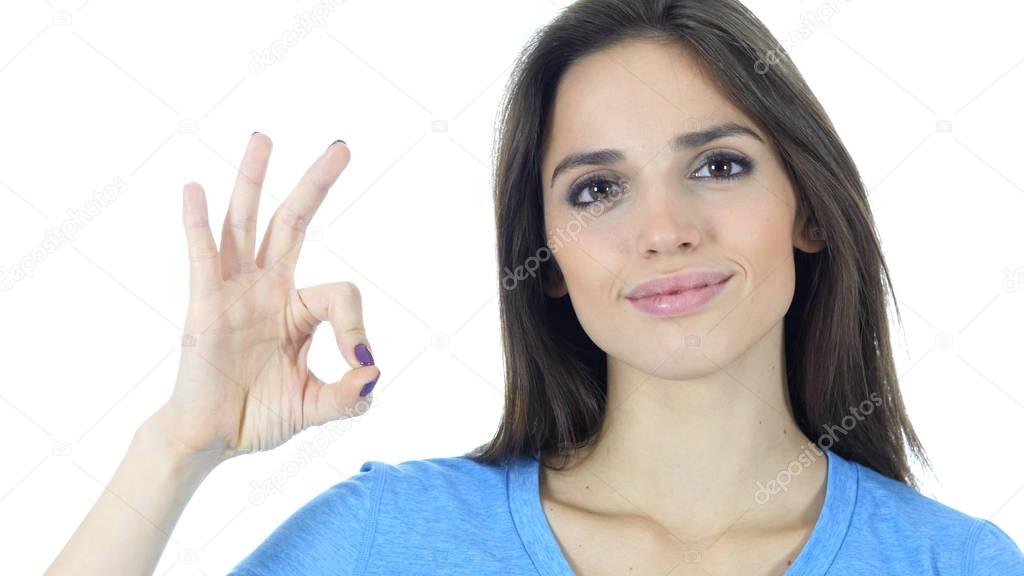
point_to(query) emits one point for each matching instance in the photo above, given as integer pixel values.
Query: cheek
(760, 238)
(758, 235)
(591, 258)
(591, 286)
(587, 246)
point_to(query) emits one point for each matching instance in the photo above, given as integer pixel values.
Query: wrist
(155, 437)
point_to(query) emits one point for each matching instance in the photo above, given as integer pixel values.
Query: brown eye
(724, 166)
(719, 168)
(595, 189)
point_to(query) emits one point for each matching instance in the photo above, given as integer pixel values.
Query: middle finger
(238, 234)
(288, 224)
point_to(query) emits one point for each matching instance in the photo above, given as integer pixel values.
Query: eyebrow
(686, 140)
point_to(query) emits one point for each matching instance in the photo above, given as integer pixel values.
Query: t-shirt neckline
(814, 558)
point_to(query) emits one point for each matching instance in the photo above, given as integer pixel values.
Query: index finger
(340, 304)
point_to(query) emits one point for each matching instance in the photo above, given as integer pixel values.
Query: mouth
(680, 290)
(677, 301)
(677, 283)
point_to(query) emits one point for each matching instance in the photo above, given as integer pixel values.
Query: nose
(666, 222)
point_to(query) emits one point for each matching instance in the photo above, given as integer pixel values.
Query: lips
(678, 283)
(679, 295)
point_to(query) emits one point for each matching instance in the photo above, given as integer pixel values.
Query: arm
(243, 382)
(127, 528)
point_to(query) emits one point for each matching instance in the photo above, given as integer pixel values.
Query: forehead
(636, 95)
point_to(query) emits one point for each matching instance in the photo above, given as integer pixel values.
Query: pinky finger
(204, 262)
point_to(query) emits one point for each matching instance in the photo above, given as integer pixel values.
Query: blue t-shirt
(453, 516)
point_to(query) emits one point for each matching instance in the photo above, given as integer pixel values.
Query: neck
(695, 455)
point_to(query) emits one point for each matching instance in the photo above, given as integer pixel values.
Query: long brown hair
(837, 347)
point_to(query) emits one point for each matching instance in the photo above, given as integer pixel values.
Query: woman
(699, 376)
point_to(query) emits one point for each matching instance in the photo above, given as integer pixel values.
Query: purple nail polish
(363, 355)
(368, 387)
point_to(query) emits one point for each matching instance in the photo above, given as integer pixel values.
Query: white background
(154, 95)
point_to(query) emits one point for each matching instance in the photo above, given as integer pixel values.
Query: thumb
(343, 398)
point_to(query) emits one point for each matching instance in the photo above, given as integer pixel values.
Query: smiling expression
(658, 174)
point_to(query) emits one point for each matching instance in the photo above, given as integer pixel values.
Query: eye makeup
(735, 165)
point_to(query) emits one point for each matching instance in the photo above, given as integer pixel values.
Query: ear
(807, 235)
(552, 280)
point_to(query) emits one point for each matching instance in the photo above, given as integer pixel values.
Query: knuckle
(200, 255)
(255, 181)
(281, 268)
(293, 220)
(239, 266)
(319, 182)
(348, 290)
(243, 224)
(354, 333)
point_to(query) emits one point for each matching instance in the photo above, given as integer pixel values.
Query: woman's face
(664, 210)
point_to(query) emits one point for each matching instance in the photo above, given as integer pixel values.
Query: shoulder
(388, 515)
(893, 503)
(442, 470)
(456, 486)
(891, 517)
(330, 530)
(411, 488)
(447, 515)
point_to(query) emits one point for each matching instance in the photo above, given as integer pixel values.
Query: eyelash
(740, 160)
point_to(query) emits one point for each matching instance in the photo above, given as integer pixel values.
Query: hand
(243, 383)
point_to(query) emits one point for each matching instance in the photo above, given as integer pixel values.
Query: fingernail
(335, 142)
(368, 387)
(363, 355)
(254, 133)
